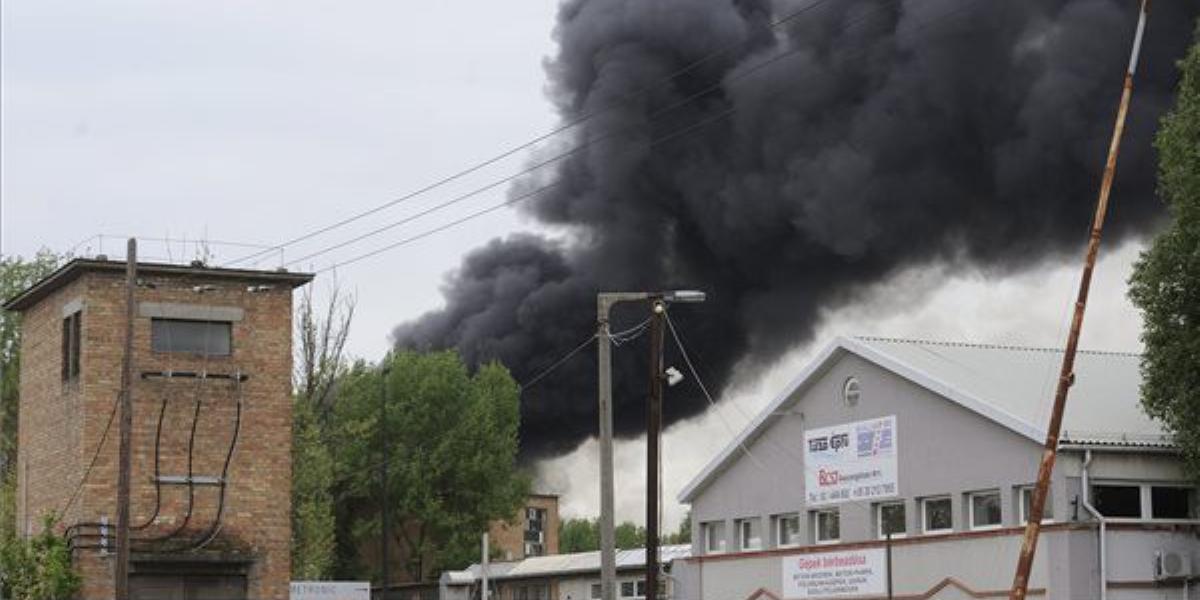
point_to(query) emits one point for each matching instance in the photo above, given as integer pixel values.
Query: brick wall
(509, 536)
(61, 427)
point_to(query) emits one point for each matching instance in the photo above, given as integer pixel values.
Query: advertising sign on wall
(331, 590)
(835, 574)
(853, 461)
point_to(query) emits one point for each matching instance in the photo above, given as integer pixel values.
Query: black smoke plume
(887, 134)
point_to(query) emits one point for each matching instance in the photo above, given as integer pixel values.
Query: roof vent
(199, 264)
(851, 392)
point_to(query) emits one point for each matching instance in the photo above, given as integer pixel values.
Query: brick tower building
(211, 437)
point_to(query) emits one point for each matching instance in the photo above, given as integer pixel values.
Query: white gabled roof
(1010, 385)
(575, 563)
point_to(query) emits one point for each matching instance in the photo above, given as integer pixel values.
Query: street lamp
(604, 303)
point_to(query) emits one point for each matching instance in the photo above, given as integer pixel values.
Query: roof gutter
(1123, 448)
(1085, 500)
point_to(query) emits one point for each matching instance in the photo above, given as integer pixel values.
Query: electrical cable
(670, 137)
(95, 455)
(556, 364)
(198, 402)
(215, 528)
(528, 144)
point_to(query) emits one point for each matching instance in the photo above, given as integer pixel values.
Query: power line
(558, 363)
(95, 456)
(757, 68)
(525, 145)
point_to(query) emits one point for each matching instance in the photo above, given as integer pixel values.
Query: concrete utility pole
(1066, 375)
(483, 569)
(608, 554)
(121, 568)
(384, 525)
(653, 428)
(604, 303)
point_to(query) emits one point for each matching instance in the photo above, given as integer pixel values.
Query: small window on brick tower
(71, 329)
(211, 338)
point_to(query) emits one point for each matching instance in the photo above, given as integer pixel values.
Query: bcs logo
(828, 477)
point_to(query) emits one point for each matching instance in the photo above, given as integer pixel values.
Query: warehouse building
(574, 576)
(936, 445)
(211, 433)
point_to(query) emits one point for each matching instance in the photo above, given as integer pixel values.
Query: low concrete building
(562, 577)
(938, 444)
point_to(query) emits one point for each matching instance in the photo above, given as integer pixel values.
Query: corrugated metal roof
(1104, 401)
(575, 563)
(1012, 385)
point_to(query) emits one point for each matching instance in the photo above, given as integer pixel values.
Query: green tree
(1165, 284)
(38, 568)
(628, 536)
(320, 344)
(16, 274)
(453, 446)
(579, 535)
(683, 535)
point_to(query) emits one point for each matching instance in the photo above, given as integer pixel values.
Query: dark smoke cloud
(892, 137)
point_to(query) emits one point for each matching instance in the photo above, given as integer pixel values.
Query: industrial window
(71, 330)
(210, 338)
(535, 531)
(1167, 502)
(1026, 500)
(890, 518)
(749, 537)
(827, 526)
(787, 530)
(596, 591)
(937, 515)
(714, 536)
(634, 590)
(1121, 501)
(985, 509)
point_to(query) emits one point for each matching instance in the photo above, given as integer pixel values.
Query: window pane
(828, 526)
(985, 509)
(1027, 501)
(627, 590)
(789, 530)
(595, 590)
(1117, 500)
(938, 515)
(197, 337)
(891, 519)
(1171, 502)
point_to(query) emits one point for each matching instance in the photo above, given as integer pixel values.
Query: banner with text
(835, 574)
(854, 461)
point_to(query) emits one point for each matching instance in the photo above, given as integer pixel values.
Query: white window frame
(925, 511)
(879, 519)
(1023, 518)
(706, 529)
(755, 542)
(816, 522)
(1145, 498)
(595, 591)
(781, 532)
(971, 510)
(1148, 497)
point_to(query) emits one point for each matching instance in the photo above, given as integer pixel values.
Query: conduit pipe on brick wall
(1087, 505)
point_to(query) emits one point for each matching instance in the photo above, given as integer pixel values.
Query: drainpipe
(1087, 505)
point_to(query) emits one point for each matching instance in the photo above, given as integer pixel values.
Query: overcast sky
(255, 123)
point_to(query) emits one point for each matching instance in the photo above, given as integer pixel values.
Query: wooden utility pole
(653, 428)
(121, 569)
(1066, 375)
